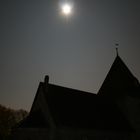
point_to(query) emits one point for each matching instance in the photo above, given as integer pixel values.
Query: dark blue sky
(77, 52)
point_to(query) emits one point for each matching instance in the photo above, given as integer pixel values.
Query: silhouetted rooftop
(77, 109)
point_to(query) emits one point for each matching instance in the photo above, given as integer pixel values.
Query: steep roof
(120, 81)
(72, 108)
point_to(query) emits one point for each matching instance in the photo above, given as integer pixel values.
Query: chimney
(46, 80)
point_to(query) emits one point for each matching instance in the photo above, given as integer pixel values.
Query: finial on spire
(117, 48)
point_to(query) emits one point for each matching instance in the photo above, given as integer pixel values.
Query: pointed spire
(119, 80)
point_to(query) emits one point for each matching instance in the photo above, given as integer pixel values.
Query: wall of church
(67, 134)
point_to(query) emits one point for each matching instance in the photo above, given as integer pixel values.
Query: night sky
(75, 51)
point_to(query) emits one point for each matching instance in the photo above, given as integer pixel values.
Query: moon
(66, 9)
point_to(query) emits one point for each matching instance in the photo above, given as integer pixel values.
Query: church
(61, 113)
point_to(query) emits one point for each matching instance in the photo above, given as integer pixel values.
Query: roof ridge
(72, 89)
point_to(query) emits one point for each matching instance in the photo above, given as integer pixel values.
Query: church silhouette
(61, 113)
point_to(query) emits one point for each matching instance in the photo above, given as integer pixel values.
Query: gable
(39, 115)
